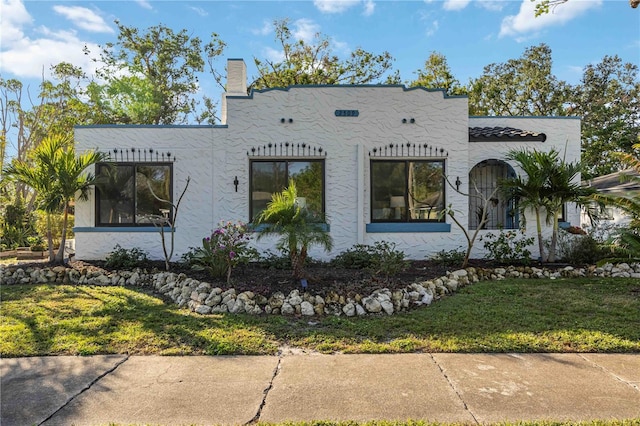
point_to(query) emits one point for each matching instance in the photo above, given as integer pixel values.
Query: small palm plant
(299, 228)
(628, 238)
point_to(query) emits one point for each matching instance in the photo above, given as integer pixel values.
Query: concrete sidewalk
(468, 388)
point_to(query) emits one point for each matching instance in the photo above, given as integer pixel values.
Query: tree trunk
(49, 238)
(539, 231)
(63, 239)
(554, 240)
(297, 263)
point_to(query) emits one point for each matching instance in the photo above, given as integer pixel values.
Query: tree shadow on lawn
(510, 316)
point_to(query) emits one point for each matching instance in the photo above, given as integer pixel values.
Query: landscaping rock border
(201, 297)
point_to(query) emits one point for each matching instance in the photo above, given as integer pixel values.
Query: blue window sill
(259, 228)
(408, 227)
(564, 225)
(121, 229)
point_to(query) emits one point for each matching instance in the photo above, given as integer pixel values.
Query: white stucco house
(372, 158)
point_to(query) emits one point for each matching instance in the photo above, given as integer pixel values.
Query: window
(271, 176)
(405, 191)
(125, 194)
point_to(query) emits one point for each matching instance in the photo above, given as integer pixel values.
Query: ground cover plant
(513, 315)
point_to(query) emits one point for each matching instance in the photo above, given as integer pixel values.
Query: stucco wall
(193, 149)
(214, 156)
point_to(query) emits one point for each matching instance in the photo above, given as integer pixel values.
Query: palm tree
(528, 189)
(56, 161)
(40, 177)
(563, 186)
(630, 203)
(298, 227)
(549, 183)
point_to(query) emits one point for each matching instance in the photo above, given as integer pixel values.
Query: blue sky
(470, 33)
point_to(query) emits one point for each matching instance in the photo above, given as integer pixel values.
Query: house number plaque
(347, 113)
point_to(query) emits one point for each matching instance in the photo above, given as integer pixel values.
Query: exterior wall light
(458, 183)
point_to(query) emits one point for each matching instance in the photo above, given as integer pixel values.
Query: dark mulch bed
(322, 279)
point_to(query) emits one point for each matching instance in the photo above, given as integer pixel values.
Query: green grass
(565, 315)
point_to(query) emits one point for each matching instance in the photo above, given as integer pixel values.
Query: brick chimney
(236, 84)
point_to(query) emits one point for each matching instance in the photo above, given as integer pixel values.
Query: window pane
(267, 178)
(157, 179)
(308, 177)
(426, 189)
(388, 184)
(115, 194)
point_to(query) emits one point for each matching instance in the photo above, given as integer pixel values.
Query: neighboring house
(617, 184)
(371, 157)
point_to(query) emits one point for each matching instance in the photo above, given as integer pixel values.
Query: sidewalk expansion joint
(276, 370)
(464, 404)
(610, 373)
(86, 388)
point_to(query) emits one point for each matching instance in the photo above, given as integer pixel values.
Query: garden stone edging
(201, 297)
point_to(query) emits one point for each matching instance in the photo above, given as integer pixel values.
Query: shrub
(453, 257)
(508, 247)
(360, 256)
(581, 249)
(382, 259)
(16, 226)
(226, 248)
(121, 258)
(37, 243)
(280, 260)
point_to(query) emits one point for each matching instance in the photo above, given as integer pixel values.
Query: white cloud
(273, 55)
(341, 46)
(144, 4)
(305, 30)
(14, 17)
(334, 6)
(200, 11)
(369, 7)
(433, 28)
(30, 55)
(492, 5)
(455, 4)
(525, 21)
(84, 18)
(28, 58)
(266, 29)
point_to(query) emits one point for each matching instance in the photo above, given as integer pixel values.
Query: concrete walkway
(468, 388)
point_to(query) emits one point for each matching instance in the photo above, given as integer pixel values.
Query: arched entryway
(502, 213)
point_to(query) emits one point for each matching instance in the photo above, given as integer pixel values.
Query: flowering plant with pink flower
(226, 248)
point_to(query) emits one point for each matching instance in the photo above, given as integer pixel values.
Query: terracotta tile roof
(498, 134)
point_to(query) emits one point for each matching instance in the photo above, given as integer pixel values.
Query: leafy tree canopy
(315, 63)
(151, 77)
(523, 86)
(608, 100)
(437, 74)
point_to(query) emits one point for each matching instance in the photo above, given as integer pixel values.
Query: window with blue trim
(407, 190)
(131, 194)
(271, 176)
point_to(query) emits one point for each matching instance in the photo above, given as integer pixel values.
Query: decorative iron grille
(286, 149)
(408, 150)
(137, 155)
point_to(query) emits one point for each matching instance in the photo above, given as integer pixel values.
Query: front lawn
(564, 315)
